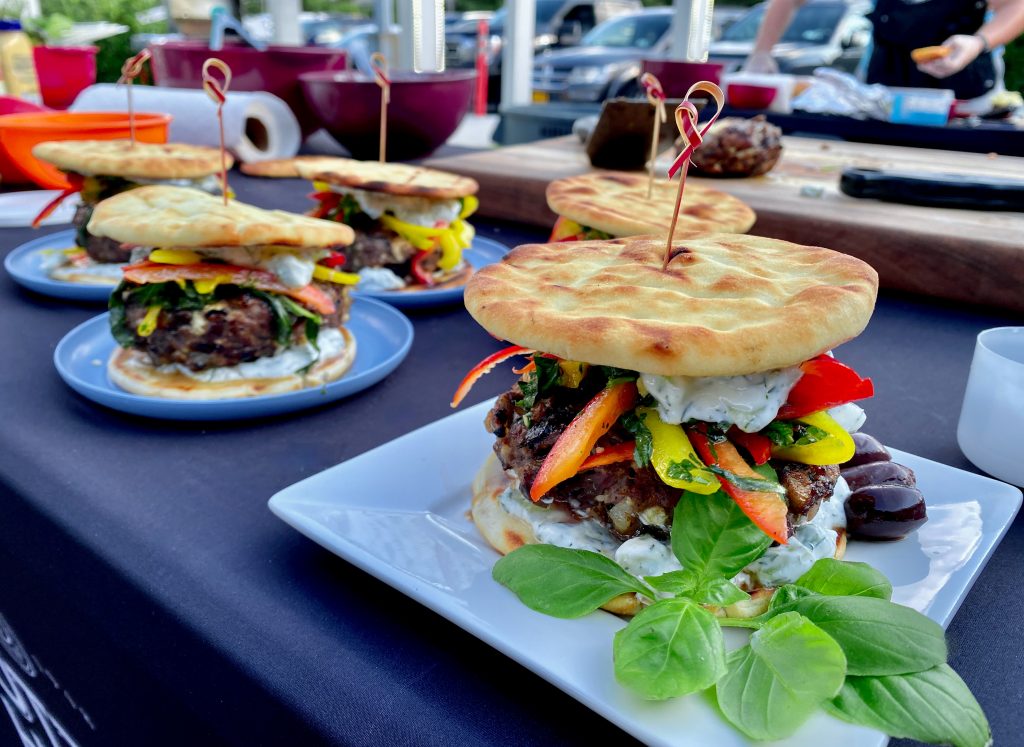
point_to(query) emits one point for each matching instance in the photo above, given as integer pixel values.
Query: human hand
(760, 62)
(963, 50)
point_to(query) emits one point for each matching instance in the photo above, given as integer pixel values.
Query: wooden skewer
(656, 97)
(218, 92)
(130, 70)
(380, 75)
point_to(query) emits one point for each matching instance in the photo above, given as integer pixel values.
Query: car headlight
(589, 75)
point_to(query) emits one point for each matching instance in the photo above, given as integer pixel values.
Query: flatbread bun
(390, 178)
(929, 54)
(143, 161)
(617, 203)
(132, 371)
(505, 533)
(182, 217)
(280, 168)
(728, 304)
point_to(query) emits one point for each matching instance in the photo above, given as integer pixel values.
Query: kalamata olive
(878, 473)
(869, 449)
(885, 511)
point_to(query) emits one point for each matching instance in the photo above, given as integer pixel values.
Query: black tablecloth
(148, 596)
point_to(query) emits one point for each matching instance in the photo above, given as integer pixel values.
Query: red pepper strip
(484, 367)
(153, 272)
(826, 383)
(419, 273)
(767, 510)
(577, 441)
(610, 455)
(326, 202)
(759, 447)
(337, 259)
(75, 181)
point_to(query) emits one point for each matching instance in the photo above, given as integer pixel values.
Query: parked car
(558, 23)
(823, 33)
(607, 61)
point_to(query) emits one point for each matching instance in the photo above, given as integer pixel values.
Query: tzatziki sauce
(420, 211)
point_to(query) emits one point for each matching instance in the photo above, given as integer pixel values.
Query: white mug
(991, 428)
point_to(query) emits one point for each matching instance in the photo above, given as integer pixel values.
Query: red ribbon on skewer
(218, 92)
(130, 70)
(693, 135)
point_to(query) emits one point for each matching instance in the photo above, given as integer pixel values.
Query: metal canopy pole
(421, 40)
(691, 30)
(285, 15)
(517, 53)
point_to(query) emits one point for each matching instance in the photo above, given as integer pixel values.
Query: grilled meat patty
(237, 328)
(98, 248)
(628, 500)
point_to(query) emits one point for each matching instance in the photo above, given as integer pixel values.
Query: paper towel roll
(257, 126)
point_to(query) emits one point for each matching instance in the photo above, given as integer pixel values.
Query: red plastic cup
(64, 72)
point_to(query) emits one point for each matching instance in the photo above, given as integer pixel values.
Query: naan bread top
(617, 203)
(390, 178)
(728, 304)
(119, 158)
(182, 217)
(279, 168)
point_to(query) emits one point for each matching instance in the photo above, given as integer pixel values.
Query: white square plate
(399, 512)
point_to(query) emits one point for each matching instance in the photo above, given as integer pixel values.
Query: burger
(606, 205)
(98, 169)
(409, 221)
(224, 301)
(712, 375)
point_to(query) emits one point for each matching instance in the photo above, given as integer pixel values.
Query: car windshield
(813, 24)
(641, 31)
(546, 10)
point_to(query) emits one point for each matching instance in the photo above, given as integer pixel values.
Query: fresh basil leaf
(719, 591)
(877, 636)
(673, 582)
(840, 578)
(747, 483)
(615, 375)
(930, 706)
(671, 648)
(712, 537)
(564, 583)
(548, 374)
(528, 387)
(785, 596)
(791, 433)
(774, 684)
(641, 434)
(690, 471)
(808, 434)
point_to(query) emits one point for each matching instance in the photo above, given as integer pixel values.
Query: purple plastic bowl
(676, 77)
(425, 109)
(179, 64)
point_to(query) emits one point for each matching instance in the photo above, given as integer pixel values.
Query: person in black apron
(900, 26)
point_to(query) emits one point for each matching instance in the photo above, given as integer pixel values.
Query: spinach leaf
(548, 373)
(615, 375)
(790, 433)
(298, 311)
(712, 537)
(641, 434)
(528, 388)
(838, 578)
(877, 636)
(118, 319)
(781, 678)
(564, 583)
(673, 582)
(718, 591)
(671, 648)
(283, 321)
(930, 706)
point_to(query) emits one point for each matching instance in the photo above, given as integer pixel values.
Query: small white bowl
(991, 428)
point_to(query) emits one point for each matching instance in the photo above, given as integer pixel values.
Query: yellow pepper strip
(451, 253)
(148, 323)
(175, 257)
(321, 187)
(670, 444)
(572, 373)
(181, 282)
(469, 206)
(835, 449)
(208, 285)
(334, 276)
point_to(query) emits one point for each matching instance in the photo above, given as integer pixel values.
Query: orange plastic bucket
(19, 133)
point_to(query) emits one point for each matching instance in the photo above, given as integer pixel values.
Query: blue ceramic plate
(481, 253)
(27, 265)
(383, 338)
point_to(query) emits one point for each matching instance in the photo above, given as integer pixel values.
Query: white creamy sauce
(293, 271)
(850, 417)
(811, 541)
(554, 527)
(379, 279)
(287, 361)
(209, 183)
(420, 211)
(646, 556)
(749, 402)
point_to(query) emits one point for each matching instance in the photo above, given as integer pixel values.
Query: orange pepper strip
(577, 441)
(484, 367)
(767, 510)
(610, 455)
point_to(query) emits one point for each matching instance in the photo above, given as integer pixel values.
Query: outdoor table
(148, 596)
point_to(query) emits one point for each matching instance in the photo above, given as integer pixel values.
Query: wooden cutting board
(962, 255)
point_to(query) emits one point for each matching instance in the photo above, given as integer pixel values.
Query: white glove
(760, 62)
(964, 49)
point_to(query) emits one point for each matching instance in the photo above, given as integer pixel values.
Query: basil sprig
(635, 424)
(831, 640)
